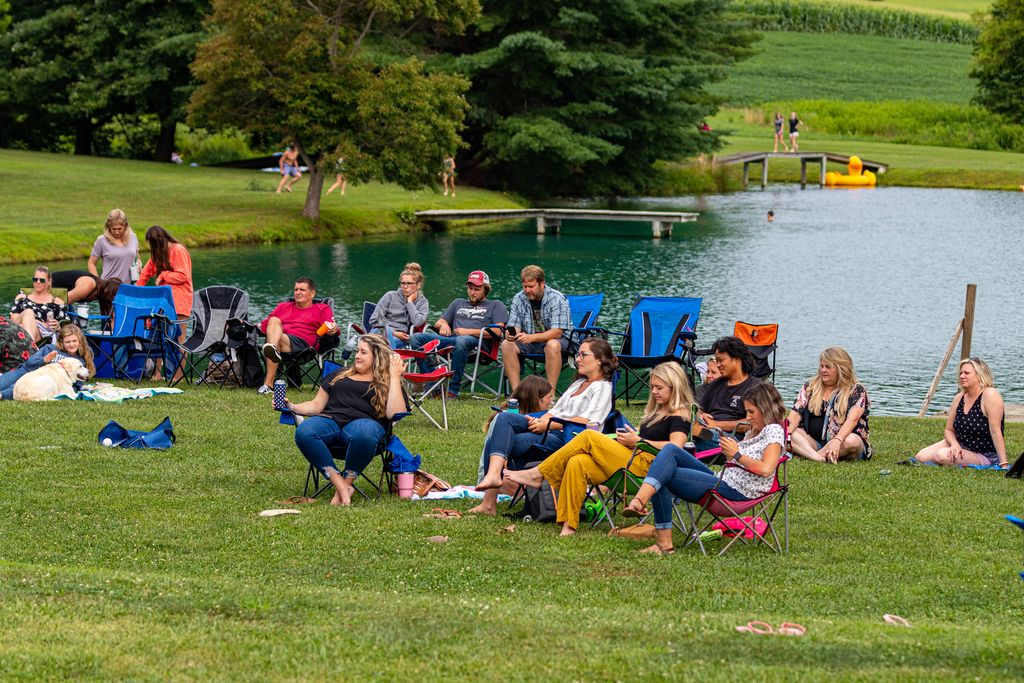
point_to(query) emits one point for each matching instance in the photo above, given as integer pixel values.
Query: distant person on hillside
(794, 124)
(402, 310)
(779, 121)
(339, 176)
(975, 423)
(176, 158)
(448, 175)
(117, 248)
(289, 165)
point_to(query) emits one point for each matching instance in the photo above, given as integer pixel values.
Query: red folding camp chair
(422, 385)
(485, 358)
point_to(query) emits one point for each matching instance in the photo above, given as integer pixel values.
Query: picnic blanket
(459, 492)
(107, 393)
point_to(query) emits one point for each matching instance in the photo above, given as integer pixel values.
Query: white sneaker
(264, 389)
(270, 352)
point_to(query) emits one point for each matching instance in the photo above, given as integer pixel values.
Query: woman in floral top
(829, 421)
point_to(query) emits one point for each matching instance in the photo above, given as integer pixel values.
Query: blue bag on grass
(161, 437)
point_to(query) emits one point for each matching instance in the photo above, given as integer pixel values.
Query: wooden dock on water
(551, 219)
(820, 158)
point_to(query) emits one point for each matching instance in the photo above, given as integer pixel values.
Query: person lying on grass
(70, 344)
(592, 457)
(677, 473)
(829, 421)
(974, 426)
(351, 412)
(588, 399)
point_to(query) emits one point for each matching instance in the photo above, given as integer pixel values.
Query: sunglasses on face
(41, 280)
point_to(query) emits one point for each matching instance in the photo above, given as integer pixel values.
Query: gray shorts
(537, 348)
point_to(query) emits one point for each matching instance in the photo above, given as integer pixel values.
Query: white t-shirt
(594, 403)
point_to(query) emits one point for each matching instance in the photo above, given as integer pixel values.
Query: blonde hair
(117, 216)
(84, 351)
(535, 273)
(414, 271)
(380, 369)
(847, 380)
(981, 369)
(681, 399)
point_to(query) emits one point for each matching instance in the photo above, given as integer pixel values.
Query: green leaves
(999, 60)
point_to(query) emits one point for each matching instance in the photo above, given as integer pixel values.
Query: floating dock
(551, 219)
(821, 158)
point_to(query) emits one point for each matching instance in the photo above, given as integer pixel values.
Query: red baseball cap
(478, 278)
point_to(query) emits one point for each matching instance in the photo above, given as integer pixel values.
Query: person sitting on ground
(534, 395)
(708, 374)
(15, 345)
(975, 424)
(118, 248)
(289, 166)
(721, 402)
(80, 284)
(588, 399)
(592, 458)
(677, 473)
(459, 326)
(292, 327)
(40, 312)
(538, 323)
(829, 421)
(402, 310)
(352, 410)
(70, 344)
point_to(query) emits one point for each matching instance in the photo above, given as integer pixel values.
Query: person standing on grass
(975, 424)
(339, 177)
(779, 121)
(289, 165)
(171, 264)
(448, 175)
(351, 412)
(829, 421)
(292, 326)
(794, 133)
(117, 248)
(539, 323)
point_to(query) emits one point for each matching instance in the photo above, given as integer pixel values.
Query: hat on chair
(478, 278)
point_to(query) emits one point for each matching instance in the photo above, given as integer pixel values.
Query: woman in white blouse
(588, 399)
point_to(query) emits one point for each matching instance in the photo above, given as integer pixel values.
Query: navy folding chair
(658, 331)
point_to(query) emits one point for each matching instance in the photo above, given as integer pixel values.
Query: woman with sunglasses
(402, 310)
(40, 312)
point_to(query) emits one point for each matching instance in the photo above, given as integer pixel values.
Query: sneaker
(452, 396)
(271, 353)
(264, 389)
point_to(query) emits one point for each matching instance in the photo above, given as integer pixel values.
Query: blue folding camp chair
(658, 331)
(583, 311)
(143, 318)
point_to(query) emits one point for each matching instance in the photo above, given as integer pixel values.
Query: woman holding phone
(592, 457)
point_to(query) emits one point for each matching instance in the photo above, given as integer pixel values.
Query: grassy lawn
(961, 9)
(148, 565)
(54, 205)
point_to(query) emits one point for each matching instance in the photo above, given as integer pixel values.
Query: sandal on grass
(658, 549)
(633, 513)
(761, 628)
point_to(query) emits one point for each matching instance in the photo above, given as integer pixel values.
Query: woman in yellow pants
(592, 457)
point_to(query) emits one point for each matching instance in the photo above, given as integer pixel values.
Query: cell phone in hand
(511, 331)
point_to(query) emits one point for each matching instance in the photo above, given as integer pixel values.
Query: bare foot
(531, 477)
(278, 192)
(483, 509)
(336, 500)
(287, 189)
(489, 482)
(567, 530)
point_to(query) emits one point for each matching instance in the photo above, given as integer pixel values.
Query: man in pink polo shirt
(292, 327)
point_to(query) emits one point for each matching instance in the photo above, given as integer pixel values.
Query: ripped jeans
(358, 441)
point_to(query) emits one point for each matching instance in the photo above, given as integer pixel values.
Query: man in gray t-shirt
(461, 323)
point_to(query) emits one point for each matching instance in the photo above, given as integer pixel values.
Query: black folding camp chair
(212, 307)
(308, 364)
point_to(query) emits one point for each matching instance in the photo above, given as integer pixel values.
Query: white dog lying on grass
(50, 380)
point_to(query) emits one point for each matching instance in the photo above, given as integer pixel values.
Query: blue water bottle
(513, 406)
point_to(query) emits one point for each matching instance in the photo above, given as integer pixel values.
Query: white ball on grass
(107, 442)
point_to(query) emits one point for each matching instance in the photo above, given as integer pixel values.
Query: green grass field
(801, 66)
(146, 566)
(961, 9)
(54, 205)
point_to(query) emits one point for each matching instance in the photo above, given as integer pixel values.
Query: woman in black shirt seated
(351, 411)
(592, 457)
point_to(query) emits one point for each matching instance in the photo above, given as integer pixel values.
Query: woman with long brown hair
(351, 410)
(171, 263)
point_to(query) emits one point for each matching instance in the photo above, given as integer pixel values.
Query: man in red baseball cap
(461, 323)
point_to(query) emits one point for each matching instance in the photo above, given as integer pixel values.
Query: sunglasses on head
(39, 279)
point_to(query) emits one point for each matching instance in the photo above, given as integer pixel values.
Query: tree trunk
(83, 137)
(316, 184)
(165, 142)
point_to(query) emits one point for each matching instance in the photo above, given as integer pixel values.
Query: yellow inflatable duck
(858, 177)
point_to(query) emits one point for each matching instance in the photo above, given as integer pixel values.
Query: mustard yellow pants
(589, 458)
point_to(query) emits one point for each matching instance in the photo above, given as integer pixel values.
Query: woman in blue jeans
(70, 344)
(351, 411)
(677, 473)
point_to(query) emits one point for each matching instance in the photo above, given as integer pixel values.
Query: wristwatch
(736, 458)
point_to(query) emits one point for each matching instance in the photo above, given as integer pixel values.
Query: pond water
(880, 272)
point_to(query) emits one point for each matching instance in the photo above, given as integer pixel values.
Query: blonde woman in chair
(592, 457)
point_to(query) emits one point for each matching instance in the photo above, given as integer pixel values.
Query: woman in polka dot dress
(974, 428)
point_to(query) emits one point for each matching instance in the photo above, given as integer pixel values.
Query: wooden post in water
(965, 344)
(942, 368)
(803, 173)
(764, 172)
(824, 161)
(543, 223)
(746, 173)
(661, 229)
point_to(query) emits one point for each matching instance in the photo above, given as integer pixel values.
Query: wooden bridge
(551, 219)
(821, 158)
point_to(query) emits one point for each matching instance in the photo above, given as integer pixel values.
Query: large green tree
(999, 59)
(581, 97)
(301, 70)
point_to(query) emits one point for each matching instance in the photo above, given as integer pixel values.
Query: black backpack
(540, 503)
(1017, 470)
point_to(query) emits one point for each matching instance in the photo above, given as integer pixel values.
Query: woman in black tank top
(974, 425)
